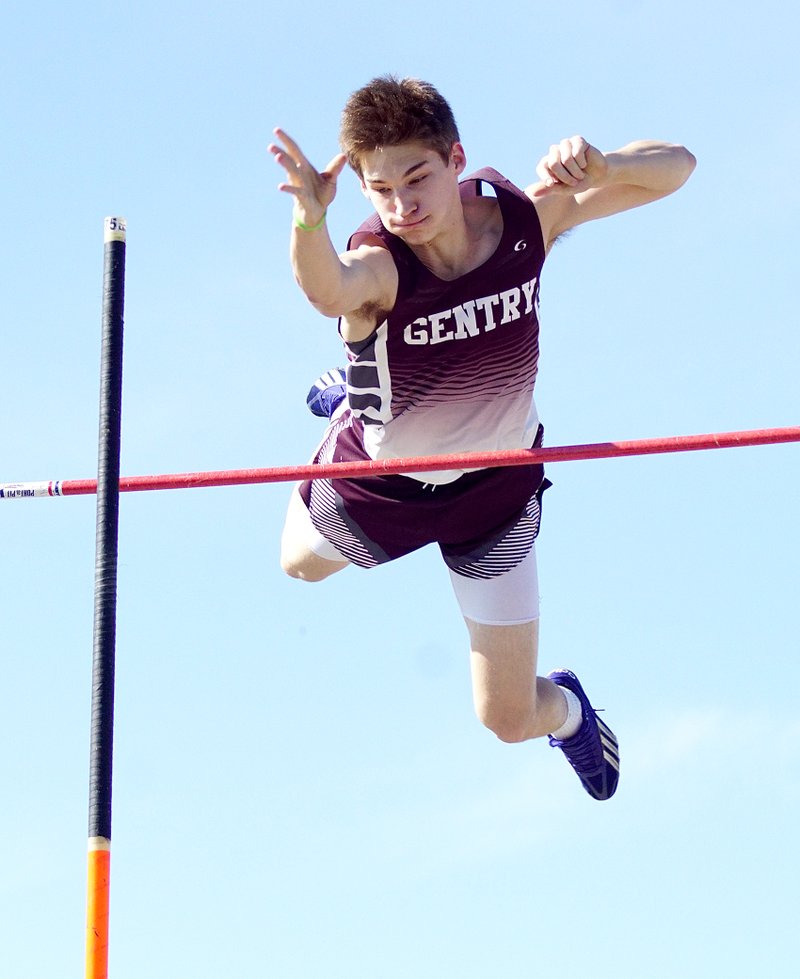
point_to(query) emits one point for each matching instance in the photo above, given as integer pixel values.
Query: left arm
(578, 183)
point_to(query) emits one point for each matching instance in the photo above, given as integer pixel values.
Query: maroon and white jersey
(452, 367)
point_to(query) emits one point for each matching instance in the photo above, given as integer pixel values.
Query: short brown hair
(389, 111)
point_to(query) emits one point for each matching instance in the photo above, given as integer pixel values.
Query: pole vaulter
(109, 484)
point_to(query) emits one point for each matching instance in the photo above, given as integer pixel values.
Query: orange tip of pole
(97, 908)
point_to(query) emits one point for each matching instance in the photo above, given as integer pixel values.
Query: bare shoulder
(373, 274)
(554, 213)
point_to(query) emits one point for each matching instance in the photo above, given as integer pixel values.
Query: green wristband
(309, 227)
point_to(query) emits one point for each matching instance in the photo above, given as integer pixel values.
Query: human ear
(458, 158)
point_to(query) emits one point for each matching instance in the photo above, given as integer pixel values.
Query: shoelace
(586, 753)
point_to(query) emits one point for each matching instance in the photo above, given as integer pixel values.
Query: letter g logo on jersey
(521, 245)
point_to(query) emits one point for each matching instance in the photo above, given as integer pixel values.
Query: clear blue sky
(301, 788)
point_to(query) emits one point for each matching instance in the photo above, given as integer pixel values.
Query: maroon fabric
(430, 360)
(435, 364)
(394, 515)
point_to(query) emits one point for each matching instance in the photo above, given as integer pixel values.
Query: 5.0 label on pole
(114, 229)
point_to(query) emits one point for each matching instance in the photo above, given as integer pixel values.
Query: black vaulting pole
(105, 600)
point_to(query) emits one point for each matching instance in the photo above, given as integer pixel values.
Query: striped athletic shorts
(485, 522)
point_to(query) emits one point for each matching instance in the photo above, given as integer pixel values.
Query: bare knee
(511, 724)
(307, 566)
(522, 714)
(297, 571)
(297, 558)
(512, 732)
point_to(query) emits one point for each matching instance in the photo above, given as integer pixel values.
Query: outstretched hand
(569, 168)
(313, 190)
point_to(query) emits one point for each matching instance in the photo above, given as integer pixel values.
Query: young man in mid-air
(437, 298)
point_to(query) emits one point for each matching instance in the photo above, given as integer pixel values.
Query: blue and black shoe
(593, 752)
(327, 393)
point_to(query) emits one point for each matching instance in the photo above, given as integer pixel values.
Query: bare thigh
(509, 697)
(298, 558)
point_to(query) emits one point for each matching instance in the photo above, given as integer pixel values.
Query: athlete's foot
(327, 393)
(593, 751)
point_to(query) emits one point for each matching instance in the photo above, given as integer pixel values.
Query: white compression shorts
(510, 598)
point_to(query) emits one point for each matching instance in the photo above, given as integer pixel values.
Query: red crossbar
(465, 460)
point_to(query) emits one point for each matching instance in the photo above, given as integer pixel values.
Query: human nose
(404, 204)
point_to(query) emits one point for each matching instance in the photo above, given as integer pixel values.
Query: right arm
(336, 285)
(578, 183)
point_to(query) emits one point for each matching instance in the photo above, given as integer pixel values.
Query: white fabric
(304, 530)
(572, 724)
(508, 599)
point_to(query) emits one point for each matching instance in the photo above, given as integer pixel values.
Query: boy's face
(412, 188)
